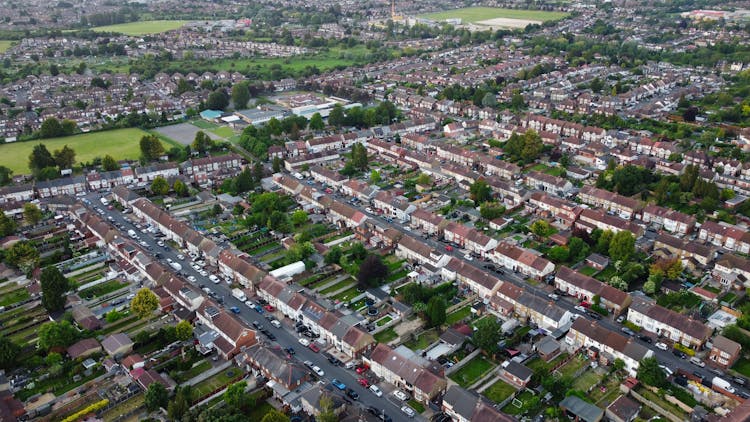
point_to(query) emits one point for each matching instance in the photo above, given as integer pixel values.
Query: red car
(363, 382)
(269, 308)
(361, 369)
(314, 348)
(449, 248)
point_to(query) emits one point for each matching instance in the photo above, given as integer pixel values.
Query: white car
(580, 309)
(308, 363)
(249, 304)
(213, 278)
(553, 297)
(468, 257)
(697, 362)
(169, 260)
(401, 395)
(191, 278)
(375, 390)
(368, 209)
(318, 371)
(204, 273)
(666, 370)
(181, 257)
(303, 341)
(661, 346)
(408, 411)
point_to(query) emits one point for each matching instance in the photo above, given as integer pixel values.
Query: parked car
(276, 323)
(303, 341)
(594, 315)
(290, 350)
(666, 370)
(697, 362)
(628, 331)
(679, 354)
(363, 382)
(314, 347)
(739, 380)
(235, 309)
(338, 384)
(352, 394)
(361, 369)
(308, 363)
(699, 375)
(318, 371)
(620, 319)
(661, 346)
(645, 338)
(375, 390)
(580, 309)
(269, 308)
(408, 411)
(401, 395)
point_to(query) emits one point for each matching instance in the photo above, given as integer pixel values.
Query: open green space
(119, 143)
(142, 27)
(337, 286)
(385, 320)
(347, 295)
(423, 340)
(386, 336)
(589, 271)
(193, 372)
(663, 403)
(527, 404)
(573, 366)
(14, 296)
(204, 124)
(499, 391)
(458, 315)
(419, 407)
(586, 380)
(5, 45)
(472, 371)
(742, 366)
(476, 14)
(219, 380)
(223, 131)
(259, 411)
(102, 289)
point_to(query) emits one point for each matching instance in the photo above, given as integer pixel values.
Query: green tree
(202, 142)
(334, 255)
(54, 287)
(336, 116)
(274, 416)
(31, 213)
(217, 100)
(156, 397)
(316, 122)
(56, 335)
(558, 254)
(65, 157)
(622, 246)
(7, 225)
(180, 188)
(279, 221)
(436, 308)
(375, 177)
(160, 186)
(372, 271)
(577, 249)
(40, 158)
(181, 403)
(424, 179)
(491, 210)
(359, 157)
(651, 374)
(144, 303)
(244, 181)
(109, 163)
(236, 397)
(23, 255)
(299, 217)
(9, 353)
(480, 191)
(532, 147)
(276, 165)
(51, 128)
(487, 335)
(489, 100)
(184, 330)
(541, 228)
(6, 175)
(240, 94)
(649, 287)
(151, 148)
(326, 410)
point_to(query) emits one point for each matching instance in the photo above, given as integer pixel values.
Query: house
(273, 364)
(17, 193)
(117, 345)
(414, 250)
(428, 222)
(623, 409)
(84, 348)
(402, 368)
(546, 314)
(585, 288)
(621, 205)
(548, 348)
(239, 269)
(230, 334)
(692, 254)
(665, 322)
(668, 219)
(724, 352)
(343, 215)
(147, 174)
(522, 260)
(69, 186)
(604, 345)
(515, 373)
(725, 235)
(397, 207)
(462, 405)
(147, 377)
(731, 270)
(590, 219)
(580, 410)
(548, 183)
(310, 401)
(597, 261)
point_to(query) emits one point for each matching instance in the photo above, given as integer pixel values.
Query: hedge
(683, 348)
(90, 409)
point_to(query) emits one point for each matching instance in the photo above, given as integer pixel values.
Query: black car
(679, 354)
(301, 328)
(257, 325)
(290, 350)
(352, 394)
(699, 375)
(647, 339)
(744, 395)
(594, 315)
(270, 336)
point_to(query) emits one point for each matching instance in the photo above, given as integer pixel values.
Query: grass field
(120, 144)
(472, 371)
(224, 131)
(476, 14)
(5, 45)
(142, 27)
(499, 391)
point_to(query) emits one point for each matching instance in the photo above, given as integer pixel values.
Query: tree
(7, 225)
(160, 186)
(202, 142)
(275, 416)
(558, 254)
(326, 413)
(183, 330)
(480, 191)
(334, 255)
(240, 95)
(489, 100)
(299, 217)
(316, 122)
(375, 177)
(487, 335)
(541, 228)
(532, 146)
(180, 188)
(491, 210)
(181, 402)
(359, 157)
(372, 271)
(424, 179)
(217, 100)
(9, 353)
(622, 246)
(649, 287)
(651, 374)
(56, 335)
(151, 148)
(244, 181)
(577, 249)
(40, 158)
(279, 221)
(435, 311)
(51, 128)
(6, 176)
(109, 163)
(54, 286)
(276, 165)
(235, 396)
(65, 157)
(23, 255)
(156, 397)
(336, 116)
(144, 303)
(31, 213)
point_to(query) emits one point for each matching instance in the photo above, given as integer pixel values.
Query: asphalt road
(285, 336)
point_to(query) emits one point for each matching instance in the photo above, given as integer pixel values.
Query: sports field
(142, 27)
(5, 45)
(120, 144)
(477, 14)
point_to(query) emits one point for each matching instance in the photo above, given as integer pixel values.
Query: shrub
(683, 348)
(90, 409)
(599, 309)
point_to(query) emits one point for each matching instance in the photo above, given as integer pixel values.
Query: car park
(338, 384)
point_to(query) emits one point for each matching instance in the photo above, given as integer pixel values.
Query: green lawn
(194, 371)
(589, 271)
(102, 289)
(742, 366)
(385, 320)
(524, 397)
(14, 296)
(337, 286)
(119, 143)
(224, 131)
(142, 27)
(475, 14)
(472, 371)
(458, 315)
(499, 391)
(423, 340)
(386, 335)
(347, 295)
(127, 406)
(219, 380)
(416, 405)
(202, 124)
(586, 380)
(571, 367)
(5, 45)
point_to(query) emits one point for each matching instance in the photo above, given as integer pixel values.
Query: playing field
(477, 14)
(120, 144)
(142, 27)
(5, 45)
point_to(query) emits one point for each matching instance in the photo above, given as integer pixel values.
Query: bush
(90, 409)
(683, 348)
(636, 328)
(599, 309)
